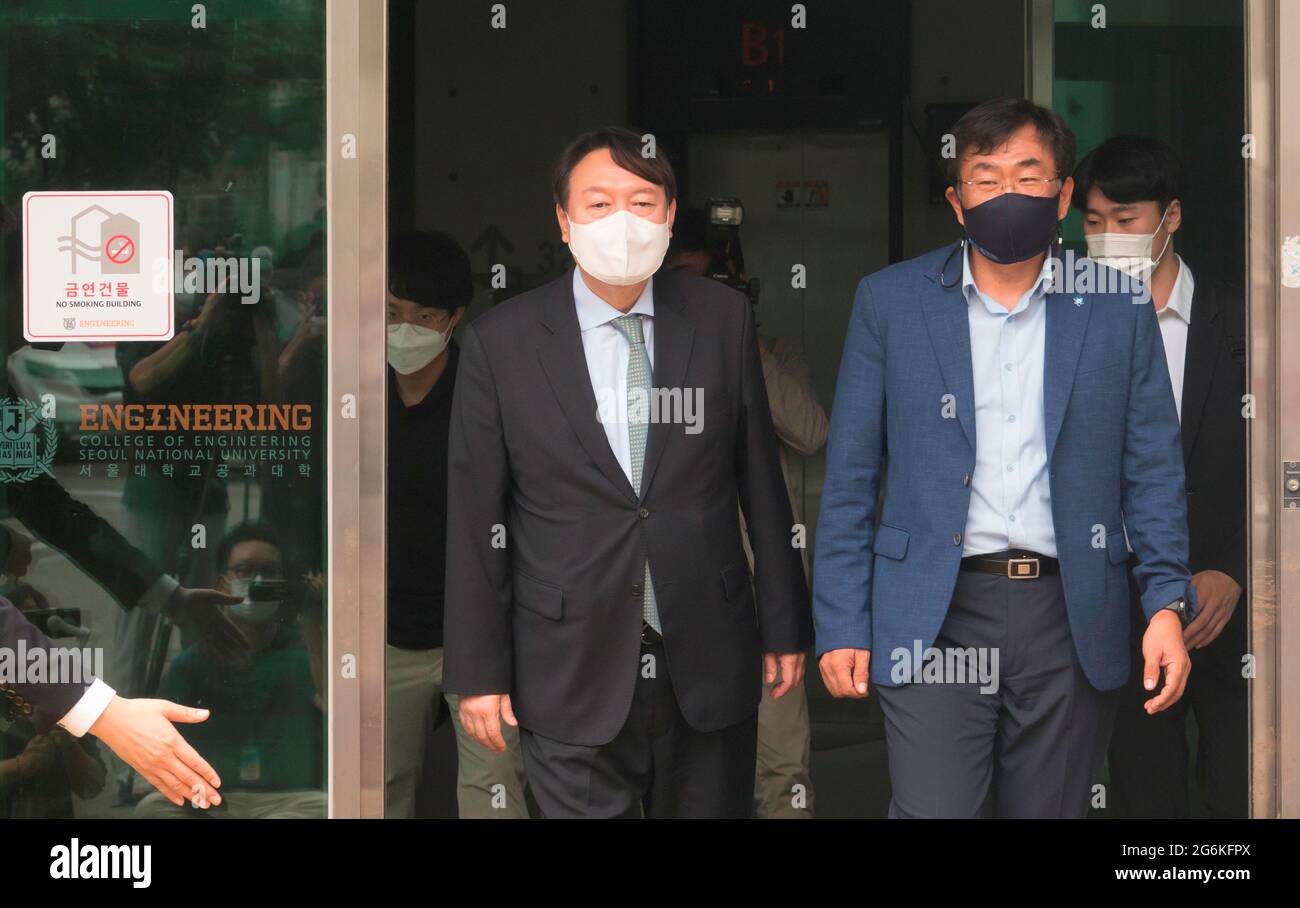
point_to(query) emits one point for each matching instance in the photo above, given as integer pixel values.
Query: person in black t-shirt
(429, 286)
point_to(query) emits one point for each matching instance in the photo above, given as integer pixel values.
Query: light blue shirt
(607, 354)
(1011, 498)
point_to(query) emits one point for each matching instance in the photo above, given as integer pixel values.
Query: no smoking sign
(120, 249)
(97, 266)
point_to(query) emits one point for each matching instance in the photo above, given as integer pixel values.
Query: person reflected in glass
(265, 737)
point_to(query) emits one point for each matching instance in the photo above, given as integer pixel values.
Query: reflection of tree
(137, 97)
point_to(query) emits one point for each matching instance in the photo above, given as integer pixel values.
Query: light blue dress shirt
(607, 354)
(1011, 498)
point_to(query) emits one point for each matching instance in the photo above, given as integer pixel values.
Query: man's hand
(845, 672)
(1217, 595)
(791, 666)
(201, 610)
(142, 734)
(481, 716)
(1162, 648)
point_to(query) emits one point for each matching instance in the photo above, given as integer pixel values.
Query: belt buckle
(1019, 568)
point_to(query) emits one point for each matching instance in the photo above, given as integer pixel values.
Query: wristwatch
(1179, 608)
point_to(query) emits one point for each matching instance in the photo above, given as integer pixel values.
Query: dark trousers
(657, 765)
(1149, 759)
(1033, 746)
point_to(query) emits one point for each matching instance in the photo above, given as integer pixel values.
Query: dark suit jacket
(554, 616)
(1214, 432)
(43, 703)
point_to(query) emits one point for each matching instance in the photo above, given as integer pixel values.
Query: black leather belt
(1017, 564)
(650, 636)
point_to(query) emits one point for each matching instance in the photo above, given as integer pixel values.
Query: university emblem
(27, 441)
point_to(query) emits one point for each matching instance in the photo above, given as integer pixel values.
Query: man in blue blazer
(1026, 421)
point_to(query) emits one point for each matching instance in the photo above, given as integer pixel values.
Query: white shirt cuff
(88, 709)
(157, 595)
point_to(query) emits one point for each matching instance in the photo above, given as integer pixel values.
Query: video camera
(723, 218)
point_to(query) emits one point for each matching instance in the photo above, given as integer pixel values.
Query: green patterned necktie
(638, 423)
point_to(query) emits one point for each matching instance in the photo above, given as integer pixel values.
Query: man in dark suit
(598, 594)
(1130, 190)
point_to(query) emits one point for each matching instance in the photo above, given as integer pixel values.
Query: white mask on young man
(412, 347)
(1129, 252)
(620, 248)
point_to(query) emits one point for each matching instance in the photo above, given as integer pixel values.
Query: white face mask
(620, 248)
(248, 611)
(412, 347)
(1128, 252)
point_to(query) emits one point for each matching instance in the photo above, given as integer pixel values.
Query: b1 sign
(97, 266)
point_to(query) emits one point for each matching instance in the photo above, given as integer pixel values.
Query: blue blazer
(885, 570)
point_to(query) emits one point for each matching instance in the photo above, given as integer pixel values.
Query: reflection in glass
(173, 461)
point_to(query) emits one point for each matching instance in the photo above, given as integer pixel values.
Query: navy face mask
(1012, 227)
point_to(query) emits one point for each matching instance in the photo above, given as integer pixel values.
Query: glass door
(162, 183)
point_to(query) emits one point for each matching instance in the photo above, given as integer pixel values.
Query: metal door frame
(356, 147)
(1273, 212)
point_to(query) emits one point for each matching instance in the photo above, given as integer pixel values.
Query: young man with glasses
(986, 595)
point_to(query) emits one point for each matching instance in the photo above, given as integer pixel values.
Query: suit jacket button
(637, 591)
(956, 538)
(965, 479)
(644, 512)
